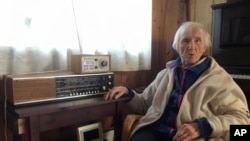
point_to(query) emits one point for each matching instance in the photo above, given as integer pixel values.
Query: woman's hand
(187, 132)
(115, 93)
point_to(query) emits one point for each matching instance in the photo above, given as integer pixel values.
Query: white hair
(190, 26)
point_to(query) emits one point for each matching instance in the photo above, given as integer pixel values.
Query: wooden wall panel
(157, 28)
(171, 25)
(135, 79)
(164, 25)
(132, 79)
(201, 11)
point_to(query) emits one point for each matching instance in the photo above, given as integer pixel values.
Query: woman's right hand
(115, 93)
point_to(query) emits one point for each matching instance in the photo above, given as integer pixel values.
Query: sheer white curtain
(121, 28)
(40, 35)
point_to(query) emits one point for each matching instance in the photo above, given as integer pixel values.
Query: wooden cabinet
(45, 117)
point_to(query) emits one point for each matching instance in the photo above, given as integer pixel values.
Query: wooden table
(48, 116)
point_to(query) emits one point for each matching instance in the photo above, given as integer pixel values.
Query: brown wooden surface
(60, 114)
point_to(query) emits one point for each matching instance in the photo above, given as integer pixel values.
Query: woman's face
(191, 46)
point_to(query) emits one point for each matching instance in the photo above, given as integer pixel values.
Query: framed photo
(90, 132)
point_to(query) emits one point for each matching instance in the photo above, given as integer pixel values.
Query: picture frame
(90, 132)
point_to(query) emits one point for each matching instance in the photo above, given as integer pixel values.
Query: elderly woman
(193, 98)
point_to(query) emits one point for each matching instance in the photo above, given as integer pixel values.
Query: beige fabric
(214, 95)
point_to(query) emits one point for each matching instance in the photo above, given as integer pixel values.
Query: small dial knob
(104, 88)
(103, 63)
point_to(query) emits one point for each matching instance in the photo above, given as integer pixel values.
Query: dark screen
(91, 135)
(231, 38)
(235, 29)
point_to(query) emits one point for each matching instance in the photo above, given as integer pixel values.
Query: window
(40, 35)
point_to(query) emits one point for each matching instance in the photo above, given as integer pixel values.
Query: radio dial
(104, 88)
(103, 63)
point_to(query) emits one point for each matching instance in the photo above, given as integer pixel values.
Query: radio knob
(104, 88)
(103, 63)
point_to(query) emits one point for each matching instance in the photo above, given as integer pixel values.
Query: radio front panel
(84, 85)
(46, 87)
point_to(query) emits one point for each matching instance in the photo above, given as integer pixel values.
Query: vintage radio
(55, 86)
(83, 63)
